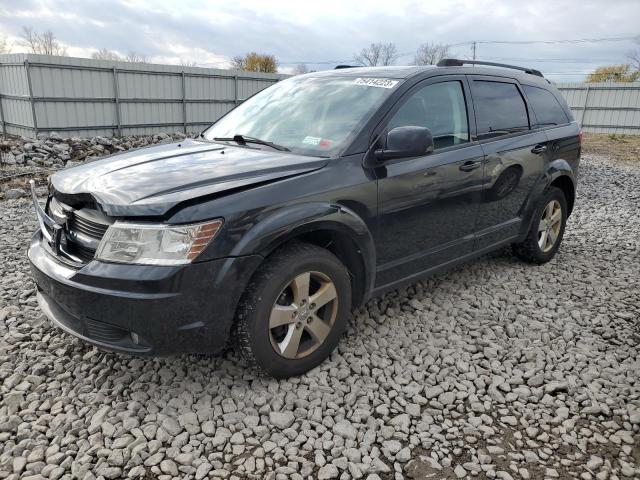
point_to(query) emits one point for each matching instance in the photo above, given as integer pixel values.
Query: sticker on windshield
(376, 82)
(311, 140)
(317, 142)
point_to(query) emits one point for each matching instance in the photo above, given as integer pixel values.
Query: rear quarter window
(546, 107)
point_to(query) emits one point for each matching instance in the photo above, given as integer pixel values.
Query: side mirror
(405, 142)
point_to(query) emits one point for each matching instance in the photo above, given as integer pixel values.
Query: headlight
(155, 244)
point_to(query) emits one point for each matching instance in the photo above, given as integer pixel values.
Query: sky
(324, 33)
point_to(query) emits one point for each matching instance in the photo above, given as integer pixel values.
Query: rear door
(427, 205)
(515, 157)
(556, 120)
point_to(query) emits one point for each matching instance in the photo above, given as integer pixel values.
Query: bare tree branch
(104, 54)
(389, 54)
(377, 54)
(430, 53)
(634, 56)
(135, 57)
(237, 62)
(301, 69)
(44, 43)
(5, 46)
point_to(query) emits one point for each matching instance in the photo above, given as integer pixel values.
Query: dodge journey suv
(300, 204)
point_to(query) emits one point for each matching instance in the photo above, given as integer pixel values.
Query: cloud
(318, 33)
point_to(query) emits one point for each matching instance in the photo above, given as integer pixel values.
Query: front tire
(294, 310)
(547, 229)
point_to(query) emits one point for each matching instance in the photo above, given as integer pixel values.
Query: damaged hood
(152, 180)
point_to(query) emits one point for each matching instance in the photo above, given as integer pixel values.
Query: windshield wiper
(243, 140)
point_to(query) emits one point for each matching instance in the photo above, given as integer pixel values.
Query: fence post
(33, 105)
(235, 89)
(4, 124)
(184, 105)
(116, 97)
(584, 107)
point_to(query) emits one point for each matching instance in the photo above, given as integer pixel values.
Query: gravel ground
(496, 369)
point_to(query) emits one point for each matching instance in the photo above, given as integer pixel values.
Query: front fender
(290, 222)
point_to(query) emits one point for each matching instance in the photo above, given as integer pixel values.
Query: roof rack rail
(454, 62)
(338, 67)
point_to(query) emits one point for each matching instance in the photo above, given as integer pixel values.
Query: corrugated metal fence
(83, 97)
(605, 107)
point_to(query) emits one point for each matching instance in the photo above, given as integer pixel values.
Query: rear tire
(547, 229)
(294, 310)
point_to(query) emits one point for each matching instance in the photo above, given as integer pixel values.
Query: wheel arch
(334, 227)
(565, 183)
(557, 173)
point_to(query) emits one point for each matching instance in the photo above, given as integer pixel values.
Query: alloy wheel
(303, 315)
(550, 224)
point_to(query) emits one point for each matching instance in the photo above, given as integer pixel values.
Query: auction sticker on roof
(376, 82)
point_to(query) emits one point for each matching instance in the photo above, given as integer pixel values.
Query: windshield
(308, 115)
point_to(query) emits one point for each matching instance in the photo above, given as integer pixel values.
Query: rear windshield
(308, 115)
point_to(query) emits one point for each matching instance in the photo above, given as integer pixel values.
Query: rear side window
(546, 106)
(500, 109)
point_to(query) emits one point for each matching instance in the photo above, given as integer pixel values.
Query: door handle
(538, 149)
(470, 165)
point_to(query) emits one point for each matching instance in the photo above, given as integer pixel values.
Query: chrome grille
(83, 225)
(83, 228)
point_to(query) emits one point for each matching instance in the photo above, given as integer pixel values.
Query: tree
(5, 46)
(44, 43)
(377, 54)
(104, 54)
(237, 62)
(634, 56)
(255, 62)
(300, 69)
(113, 56)
(187, 63)
(431, 53)
(614, 73)
(135, 57)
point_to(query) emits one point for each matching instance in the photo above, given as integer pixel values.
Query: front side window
(500, 109)
(308, 115)
(441, 108)
(545, 105)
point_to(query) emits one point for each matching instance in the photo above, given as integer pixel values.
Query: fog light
(134, 338)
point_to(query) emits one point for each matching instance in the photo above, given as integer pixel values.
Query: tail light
(581, 137)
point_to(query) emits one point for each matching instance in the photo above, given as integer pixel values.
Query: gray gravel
(497, 369)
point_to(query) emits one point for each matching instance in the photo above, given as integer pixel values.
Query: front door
(427, 205)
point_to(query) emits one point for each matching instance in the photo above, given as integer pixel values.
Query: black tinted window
(441, 108)
(500, 109)
(546, 106)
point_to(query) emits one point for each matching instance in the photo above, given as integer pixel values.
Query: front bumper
(155, 310)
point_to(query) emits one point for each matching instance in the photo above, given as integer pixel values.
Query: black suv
(300, 204)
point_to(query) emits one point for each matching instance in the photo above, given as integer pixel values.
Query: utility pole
(473, 49)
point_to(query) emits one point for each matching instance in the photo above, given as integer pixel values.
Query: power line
(474, 43)
(552, 60)
(528, 42)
